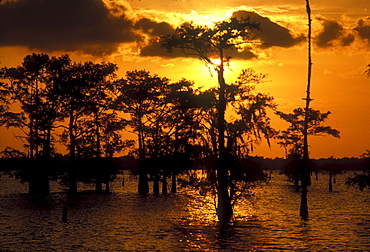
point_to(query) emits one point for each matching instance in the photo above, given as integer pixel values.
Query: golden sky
(122, 32)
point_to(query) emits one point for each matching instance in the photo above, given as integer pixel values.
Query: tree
(27, 83)
(4, 99)
(139, 96)
(304, 167)
(82, 90)
(303, 122)
(208, 44)
(293, 137)
(28, 86)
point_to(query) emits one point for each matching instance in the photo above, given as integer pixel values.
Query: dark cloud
(348, 40)
(271, 33)
(153, 48)
(333, 34)
(70, 25)
(154, 28)
(363, 29)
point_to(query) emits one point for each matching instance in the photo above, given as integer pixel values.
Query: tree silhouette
(304, 167)
(30, 87)
(27, 83)
(81, 87)
(292, 139)
(139, 95)
(208, 44)
(247, 126)
(4, 99)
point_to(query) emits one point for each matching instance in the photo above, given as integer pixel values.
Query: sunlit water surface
(123, 221)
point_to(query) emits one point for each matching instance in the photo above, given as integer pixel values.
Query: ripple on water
(124, 221)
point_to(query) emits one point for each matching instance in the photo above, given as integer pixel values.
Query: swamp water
(123, 221)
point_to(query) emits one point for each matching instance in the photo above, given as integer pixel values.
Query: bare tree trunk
(305, 169)
(72, 178)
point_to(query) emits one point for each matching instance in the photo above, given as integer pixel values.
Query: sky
(126, 32)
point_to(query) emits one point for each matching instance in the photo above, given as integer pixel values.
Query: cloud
(154, 28)
(68, 25)
(271, 34)
(363, 29)
(333, 34)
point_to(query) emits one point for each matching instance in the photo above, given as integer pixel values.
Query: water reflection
(123, 221)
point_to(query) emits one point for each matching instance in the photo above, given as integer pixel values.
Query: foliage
(206, 43)
(291, 139)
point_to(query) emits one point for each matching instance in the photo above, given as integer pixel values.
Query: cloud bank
(68, 25)
(333, 34)
(272, 34)
(100, 28)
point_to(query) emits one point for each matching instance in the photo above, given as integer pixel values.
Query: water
(123, 221)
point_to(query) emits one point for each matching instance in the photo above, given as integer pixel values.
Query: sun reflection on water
(267, 220)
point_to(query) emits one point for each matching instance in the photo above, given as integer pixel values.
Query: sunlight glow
(216, 62)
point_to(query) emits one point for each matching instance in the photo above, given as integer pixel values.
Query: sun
(216, 61)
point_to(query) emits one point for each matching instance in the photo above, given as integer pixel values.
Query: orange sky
(120, 32)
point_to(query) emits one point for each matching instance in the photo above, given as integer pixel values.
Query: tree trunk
(107, 187)
(304, 205)
(143, 186)
(224, 208)
(330, 181)
(305, 182)
(72, 178)
(305, 169)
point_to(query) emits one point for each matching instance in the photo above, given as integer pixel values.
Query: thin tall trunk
(37, 104)
(308, 95)
(72, 178)
(305, 169)
(98, 180)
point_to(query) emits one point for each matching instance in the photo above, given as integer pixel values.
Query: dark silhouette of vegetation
(304, 167)
(178, 127)
(301, 122)
(50, 90)
(208, 44)
(362, 180)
